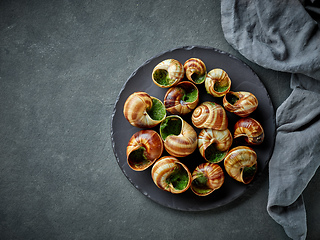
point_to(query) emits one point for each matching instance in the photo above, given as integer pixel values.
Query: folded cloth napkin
(285, 36)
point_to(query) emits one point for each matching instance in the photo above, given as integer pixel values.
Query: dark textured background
(62, 65)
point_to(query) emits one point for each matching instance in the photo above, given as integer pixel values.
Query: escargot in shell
(195, 70)
(217, 82)
(168, 73)
(210, 115)
(182, 98)
(179, 137)
(171, 175)
(143, 149)
(240, 103)
(206, 178)
(143, 110)
(214, 144)
(241, 164)
(250, 130)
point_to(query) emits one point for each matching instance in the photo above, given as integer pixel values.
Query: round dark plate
(243, 79)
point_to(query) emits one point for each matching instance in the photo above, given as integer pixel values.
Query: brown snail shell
(249, 129)
(214, 144)
(210, 115)
(143, 110)
(143, 149)
(179, 137)
(206, 178)
(217, 82)
(195, 70)
(182, 98)
(168, 73)
(240, 103)
(171, 175)
(241, 164)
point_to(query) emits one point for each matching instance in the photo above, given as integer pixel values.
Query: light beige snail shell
(171, 175)
(217, 82)
(143, 149)
(179, 137)
(168, 73)
(143, 111)
(195, 70)
(206, 178)
(241, 164)
(214, 144)
(182, 98)
(210, 115)
(240, 103)
(250, 130)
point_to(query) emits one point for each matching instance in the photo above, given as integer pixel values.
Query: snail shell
(182, 98)
(241, 164)
(179, 137)
(240, 103)
(217, 82)
(143, 111)
(214, 144)
(249, 129)
(210, 115)
(168, 73)
(169, 174)
(206, 178)
(195, 70)
(143, 149)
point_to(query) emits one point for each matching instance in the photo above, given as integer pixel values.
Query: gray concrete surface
(62, 65)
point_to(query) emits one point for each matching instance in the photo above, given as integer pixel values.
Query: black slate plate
(243, 79)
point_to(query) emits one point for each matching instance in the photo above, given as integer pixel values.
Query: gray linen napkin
(285, 36)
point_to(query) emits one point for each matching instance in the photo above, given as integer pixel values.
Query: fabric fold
(283, 36)
(278, 35)
(295, 160)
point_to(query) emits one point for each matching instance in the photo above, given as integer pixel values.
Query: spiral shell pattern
(168, 73)
(136, 110)
(181, 144)
(195, 70)
(210, 115)
(214, 144)
(250, 129)
(240, 103)
(241, 164)
(182, 98)
(217, 82)
(143, 149)
(169, 174)
(206, 178)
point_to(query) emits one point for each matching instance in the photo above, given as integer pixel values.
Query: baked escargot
(168, 73)
(182, 98)
(240, 103)
(143, 110)
(171, 175)
(179, 137)
(210, 115)
(241, 164)
(217, 82)
(143, 149)
(250, 130)
(206, 178)
(195, 70)
(214, 144)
